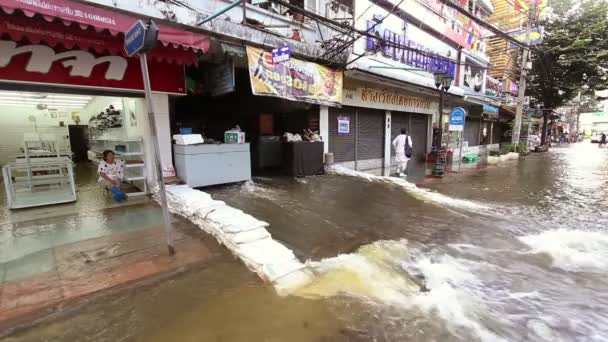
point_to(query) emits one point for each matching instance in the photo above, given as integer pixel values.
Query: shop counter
(303, 158)
(211, 164)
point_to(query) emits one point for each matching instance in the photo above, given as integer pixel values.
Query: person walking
(403, 151)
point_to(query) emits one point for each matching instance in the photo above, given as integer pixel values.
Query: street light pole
(443, 83)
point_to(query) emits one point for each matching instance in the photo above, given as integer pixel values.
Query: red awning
(19, 27)
(89, 16)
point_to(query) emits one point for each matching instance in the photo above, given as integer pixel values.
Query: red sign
(70, 11)
(42, 64)
(18, 28)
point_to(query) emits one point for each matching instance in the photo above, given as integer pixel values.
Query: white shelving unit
(37, 183)
(131, 151)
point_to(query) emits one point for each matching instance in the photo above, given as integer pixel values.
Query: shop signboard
(294, 80)
(220, 78)
(411, 46)
(389, 99)
(493, 87)
(536, 36)
(445, 20)
(282, 54)
(457, 119)
(41, 64)
(473, 77)
(343, 125)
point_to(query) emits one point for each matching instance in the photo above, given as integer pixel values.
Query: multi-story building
(367, 65)
(504, 57)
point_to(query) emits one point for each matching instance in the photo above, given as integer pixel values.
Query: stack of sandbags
(241, 233)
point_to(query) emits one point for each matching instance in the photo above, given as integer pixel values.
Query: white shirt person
(403, 149)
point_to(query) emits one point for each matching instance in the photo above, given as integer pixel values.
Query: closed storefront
(472, 129)
(356, 137)
(417, 127)
(361, 132)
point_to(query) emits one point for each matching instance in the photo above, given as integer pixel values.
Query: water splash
(572, 250)
(393, 273)
(419, 193)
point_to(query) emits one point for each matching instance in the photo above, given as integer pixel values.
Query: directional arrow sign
(135, 38)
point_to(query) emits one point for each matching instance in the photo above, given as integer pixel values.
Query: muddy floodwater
(517, 252)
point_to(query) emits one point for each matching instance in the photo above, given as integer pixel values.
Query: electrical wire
(350, 43)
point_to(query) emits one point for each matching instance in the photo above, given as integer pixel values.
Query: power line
(487, 25)
(351, 42)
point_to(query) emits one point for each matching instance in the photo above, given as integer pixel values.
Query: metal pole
(464, 121)
(159, 171)
(244, 11)
(356, 136)
(437, 170)
(522, 80)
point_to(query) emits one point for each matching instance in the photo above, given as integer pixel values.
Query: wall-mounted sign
(457, 119)
(536, 36)
(388, 99)
(282, 54)
(343, 125)
(493, 87)
(473, 77)
(294, 80)
(220, 78)
(42, 64)
(407, 50)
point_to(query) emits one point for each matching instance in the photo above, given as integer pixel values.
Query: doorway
(79, 142)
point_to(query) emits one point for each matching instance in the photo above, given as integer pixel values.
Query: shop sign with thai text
(42, 64)
(295, 80)
(389, 99)
(405, 50)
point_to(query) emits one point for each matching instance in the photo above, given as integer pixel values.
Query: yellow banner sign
(294, 79)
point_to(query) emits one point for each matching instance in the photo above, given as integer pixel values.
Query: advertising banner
(294, 80)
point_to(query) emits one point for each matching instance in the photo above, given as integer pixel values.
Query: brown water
(514, 253)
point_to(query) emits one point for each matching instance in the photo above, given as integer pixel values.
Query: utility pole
(522, 78)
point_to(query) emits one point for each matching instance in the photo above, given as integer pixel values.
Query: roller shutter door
(399, 120)
(419, 133)
(471, 131)
(342, 146)
(370, 134)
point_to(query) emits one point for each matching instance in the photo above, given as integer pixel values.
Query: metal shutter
(342, 146)
(416, 126)
(419, 133)
(370, 134)
(471, 131)
(399, 120)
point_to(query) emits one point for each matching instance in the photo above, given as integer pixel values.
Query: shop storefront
(374, 116)
(275, 105)
(68, 92)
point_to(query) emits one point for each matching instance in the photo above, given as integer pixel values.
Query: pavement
(94, 266)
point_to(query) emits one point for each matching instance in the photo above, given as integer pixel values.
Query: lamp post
(442, 82)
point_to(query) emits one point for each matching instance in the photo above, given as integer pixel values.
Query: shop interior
(269, 125)
(52, 143)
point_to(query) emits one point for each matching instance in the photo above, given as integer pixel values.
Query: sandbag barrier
(244, 235)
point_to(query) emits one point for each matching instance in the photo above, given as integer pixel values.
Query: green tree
(573, 55)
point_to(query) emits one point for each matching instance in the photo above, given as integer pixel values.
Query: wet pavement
(516, 252)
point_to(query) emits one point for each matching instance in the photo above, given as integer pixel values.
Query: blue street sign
(282, 54)
(457, 119)
(135, 38)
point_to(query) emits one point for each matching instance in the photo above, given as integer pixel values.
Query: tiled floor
(74, 270)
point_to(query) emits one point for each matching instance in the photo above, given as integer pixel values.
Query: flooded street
(516, 252)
